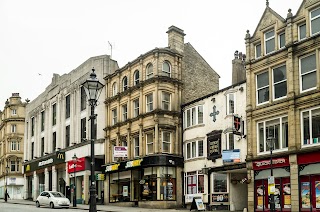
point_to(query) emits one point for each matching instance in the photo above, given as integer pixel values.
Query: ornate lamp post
(93, 89)
(6, 190)
(74, 159)
(270, 143)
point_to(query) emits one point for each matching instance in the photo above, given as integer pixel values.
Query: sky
(41, 37)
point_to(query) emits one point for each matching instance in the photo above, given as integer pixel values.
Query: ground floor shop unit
(296, 183)
(14, 186)
(153, 181)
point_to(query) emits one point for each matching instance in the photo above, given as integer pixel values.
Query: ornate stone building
(12, 120)
(283, 98)
(144, 161)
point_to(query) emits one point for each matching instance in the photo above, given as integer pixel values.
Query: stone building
(215, 146)
(12, 120)
(283, 108)
(144, 161)
(57, 128)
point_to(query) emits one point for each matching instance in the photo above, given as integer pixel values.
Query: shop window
(120, 186)
(311, 127)
(149, 188)
(168, 183)
(194, 182)
(193, 116)
(220, 183)
(276, 129)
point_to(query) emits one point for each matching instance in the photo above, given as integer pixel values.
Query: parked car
(52, 199)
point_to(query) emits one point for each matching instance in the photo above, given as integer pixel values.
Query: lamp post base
(93, 202)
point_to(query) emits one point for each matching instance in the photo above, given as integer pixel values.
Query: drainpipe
(182, 173)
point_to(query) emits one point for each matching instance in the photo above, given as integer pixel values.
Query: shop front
(42, 174)
(146, 182)
(309, 181)
(282, 193)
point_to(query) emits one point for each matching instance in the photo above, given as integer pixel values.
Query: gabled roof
(266, 11)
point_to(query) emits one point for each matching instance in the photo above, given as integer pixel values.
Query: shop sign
(133, 163)
(214, 144)
(80, 165)
(58, 158)
(231, 156)
(113, 167)
(120, 152)
(220, 198)
(189, 197)
(265, 164)
(100, 177)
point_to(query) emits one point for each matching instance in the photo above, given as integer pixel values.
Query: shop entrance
(309, 188)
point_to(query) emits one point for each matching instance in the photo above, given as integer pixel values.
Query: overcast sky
(42, 37)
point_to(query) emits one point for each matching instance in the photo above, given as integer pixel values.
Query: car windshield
(57, 194)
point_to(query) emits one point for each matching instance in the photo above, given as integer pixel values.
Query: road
(31, 208)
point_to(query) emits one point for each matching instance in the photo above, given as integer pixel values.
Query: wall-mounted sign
(80, 165)
(113, 167)
(214, 113)
(45, 161)
(214, 144)
(133, 163)
(276, 162)
(236, 123)
(120, 152)
(220, 198)
(231, 156)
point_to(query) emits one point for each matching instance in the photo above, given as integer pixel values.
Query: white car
(52, 199)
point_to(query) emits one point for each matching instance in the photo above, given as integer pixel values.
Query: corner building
(283, 105)
(144, 119)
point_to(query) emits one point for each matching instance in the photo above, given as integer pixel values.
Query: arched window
(114, 89)
(149, 73)
(136, 77)
(166, 69)
(124, 83)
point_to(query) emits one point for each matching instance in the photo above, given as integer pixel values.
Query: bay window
(194, 149)
(193, 116)
(220, 183)
(194, 182)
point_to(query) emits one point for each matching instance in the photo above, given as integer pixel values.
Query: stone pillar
(157, 147)
(141, 137)
(35, 186)
(54, 178)
(294, 180)
(46, 179)
(26, 187)
(86, 184)
(250, 188)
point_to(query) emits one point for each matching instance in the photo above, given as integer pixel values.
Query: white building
(57, 127)
(215, 146)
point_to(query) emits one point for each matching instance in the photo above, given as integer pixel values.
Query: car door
(45, 199)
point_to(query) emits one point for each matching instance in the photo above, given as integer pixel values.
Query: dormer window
(269, 41)
(315, 21)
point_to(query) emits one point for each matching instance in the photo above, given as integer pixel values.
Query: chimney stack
(176, 39)
(238, 68)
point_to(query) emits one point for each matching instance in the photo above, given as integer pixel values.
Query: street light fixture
(6, 191)
(93, 89)
(270, 143)
(74, 159)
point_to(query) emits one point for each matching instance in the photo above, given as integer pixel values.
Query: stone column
(86, 184)
(294, 180)
(46, 179)
(35, 186)
(54, 178)
(157, 144)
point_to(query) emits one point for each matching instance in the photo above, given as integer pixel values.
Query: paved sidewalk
(107, 208)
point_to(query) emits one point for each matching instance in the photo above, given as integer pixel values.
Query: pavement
(107, 208)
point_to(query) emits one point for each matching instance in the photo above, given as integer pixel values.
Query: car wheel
(37, 204)
(51, 205)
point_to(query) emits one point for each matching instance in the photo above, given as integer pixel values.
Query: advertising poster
(125, 191)
(260, 194)
(317, 187)
(287, 195)
(277, 196)
(305, 194)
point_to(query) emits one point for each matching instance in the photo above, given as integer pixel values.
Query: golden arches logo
(60, 156)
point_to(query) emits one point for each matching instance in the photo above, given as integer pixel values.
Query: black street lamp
(270, 143)
(74, 159)
(93, 89)
(6, 190)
